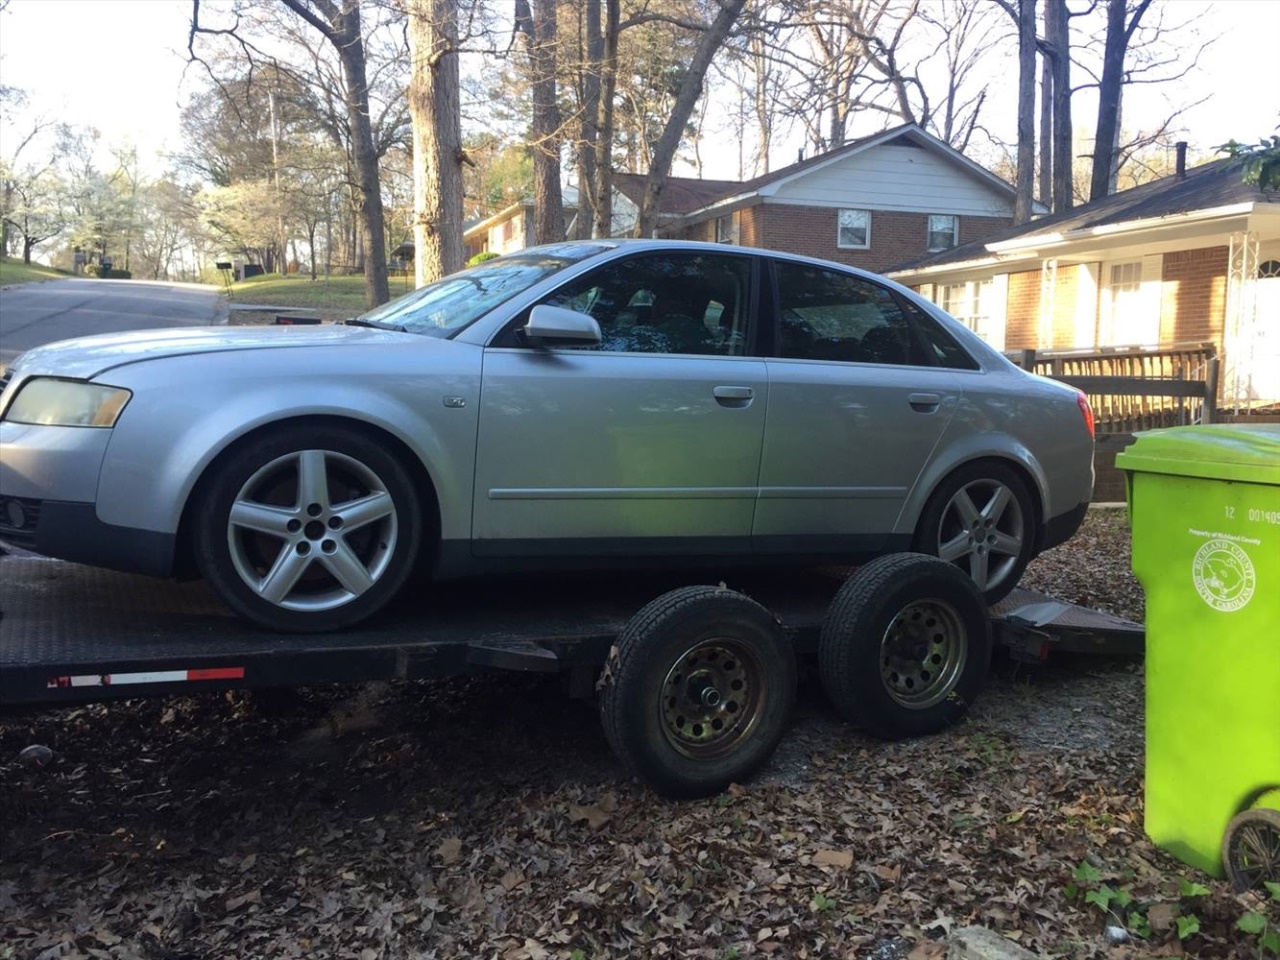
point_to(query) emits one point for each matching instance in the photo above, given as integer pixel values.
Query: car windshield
(443, 308)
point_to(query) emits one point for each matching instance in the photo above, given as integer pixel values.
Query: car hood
(88, 357)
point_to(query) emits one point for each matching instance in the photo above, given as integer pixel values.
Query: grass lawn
(15, 271)
(338, 299)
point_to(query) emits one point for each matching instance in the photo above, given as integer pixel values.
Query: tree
(713, 37)
(437, 139)
(1023, 13)
(1261, 161)
(536, 23)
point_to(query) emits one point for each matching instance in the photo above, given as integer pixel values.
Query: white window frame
(866, 244)
(728, 235)
(930, 231)
(1129, 301)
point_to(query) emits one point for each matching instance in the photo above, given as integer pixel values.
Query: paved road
(36, 313)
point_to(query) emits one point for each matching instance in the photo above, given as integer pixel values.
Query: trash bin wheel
(905, 646)
(1251, 849)
(697, 690)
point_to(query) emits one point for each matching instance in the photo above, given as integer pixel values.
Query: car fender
(157, 455)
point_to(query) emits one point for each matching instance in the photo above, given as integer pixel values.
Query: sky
(120, 66)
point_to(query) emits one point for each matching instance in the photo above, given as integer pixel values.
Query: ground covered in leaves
(485, 817)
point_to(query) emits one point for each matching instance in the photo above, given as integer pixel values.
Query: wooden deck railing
(1135, 389)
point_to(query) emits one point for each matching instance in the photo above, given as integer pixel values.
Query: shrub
(482, 257)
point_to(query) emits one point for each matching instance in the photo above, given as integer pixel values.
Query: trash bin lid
(1219, 451)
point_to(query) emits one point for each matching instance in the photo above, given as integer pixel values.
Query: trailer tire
(697, 691)
(323, 509)
(1251, 849)
(905, 646)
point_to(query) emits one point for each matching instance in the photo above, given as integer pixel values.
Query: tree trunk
(1022, 205)
(1107, 133)
(539, 28)
(1045, 188)
(341, 27)
(434, 105)
(712, 40)
(1058, 45)
(589, 120)
(603, 225)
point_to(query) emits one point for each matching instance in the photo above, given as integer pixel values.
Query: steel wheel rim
(923, 653)
(982, 531)
(1254, 853)
(712, 698)
(312, 530)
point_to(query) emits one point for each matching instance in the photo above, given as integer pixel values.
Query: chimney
(1181, 168)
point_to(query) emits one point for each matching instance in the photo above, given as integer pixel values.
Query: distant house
(511, 228)
(873, 202)
(1191, 257)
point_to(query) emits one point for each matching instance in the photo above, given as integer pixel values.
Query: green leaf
(1252, 922)
(1138, 924)
(1087, 872)
(1188, 926)
(1123, 898)
(1271, 941)
(1102, 897)
(1274, 888)
(1071, 890)
(1188, 888)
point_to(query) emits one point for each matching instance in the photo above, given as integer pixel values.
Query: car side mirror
(556, 326)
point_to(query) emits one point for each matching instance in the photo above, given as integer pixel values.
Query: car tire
(982, 519)
(697, 691)
(1251, 849)
(905, 646)
(307, 564)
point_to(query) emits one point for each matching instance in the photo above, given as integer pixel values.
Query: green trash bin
(1204, 506)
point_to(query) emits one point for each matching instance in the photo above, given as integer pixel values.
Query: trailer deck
(72, 633)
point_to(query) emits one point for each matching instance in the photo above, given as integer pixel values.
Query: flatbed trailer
(70, 633)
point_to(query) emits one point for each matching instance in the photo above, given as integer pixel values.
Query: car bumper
(1063, 527)
(48, 485)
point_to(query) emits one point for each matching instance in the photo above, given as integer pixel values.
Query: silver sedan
(570, 406)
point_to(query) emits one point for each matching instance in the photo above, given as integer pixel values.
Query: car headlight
(67, 403)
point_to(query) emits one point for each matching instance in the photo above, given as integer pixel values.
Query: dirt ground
(486, 817)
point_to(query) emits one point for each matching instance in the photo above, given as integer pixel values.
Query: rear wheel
(1251, 849)
(311, 528)
(981, 519)
(905, 647)
(697, 691)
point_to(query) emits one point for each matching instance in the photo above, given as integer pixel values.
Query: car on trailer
(623, 403)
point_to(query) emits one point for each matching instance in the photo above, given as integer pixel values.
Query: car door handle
(924, 402)
(733, 396)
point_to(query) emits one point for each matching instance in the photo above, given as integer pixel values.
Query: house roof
(688, 196)
(1216, 186)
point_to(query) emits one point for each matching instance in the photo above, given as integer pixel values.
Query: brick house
(1192, 257)
(871, 203)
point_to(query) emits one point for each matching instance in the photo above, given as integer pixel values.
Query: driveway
(36, 313)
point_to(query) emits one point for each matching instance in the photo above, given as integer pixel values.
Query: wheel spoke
(283, 575)
(955, 548)
(262, 517)
(313, 481)
(965, 507)
(1000, 499)
(978, 568)
(347, 569)
(358, 513)
(1004, 543)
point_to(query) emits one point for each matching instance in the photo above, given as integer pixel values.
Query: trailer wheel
(1251, 849)
(697, 690)
(905, 646)
(307, 528)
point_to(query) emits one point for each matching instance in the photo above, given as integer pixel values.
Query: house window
(944, 231)
(1130, 304)
(727, 229)
(855, 230)
(971, 303)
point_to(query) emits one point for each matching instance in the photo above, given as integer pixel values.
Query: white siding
(908, 179)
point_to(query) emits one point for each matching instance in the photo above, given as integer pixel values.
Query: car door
(857, 404)
(647, 443)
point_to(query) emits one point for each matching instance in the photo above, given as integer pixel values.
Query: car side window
(666, 303)
(825, 315)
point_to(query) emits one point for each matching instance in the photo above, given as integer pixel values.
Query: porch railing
(1132, 388)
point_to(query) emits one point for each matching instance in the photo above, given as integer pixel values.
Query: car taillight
(1086, 411)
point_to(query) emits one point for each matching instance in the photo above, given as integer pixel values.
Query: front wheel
(981, 519)
(697, 691)
(1251, 849)
(308, 529)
